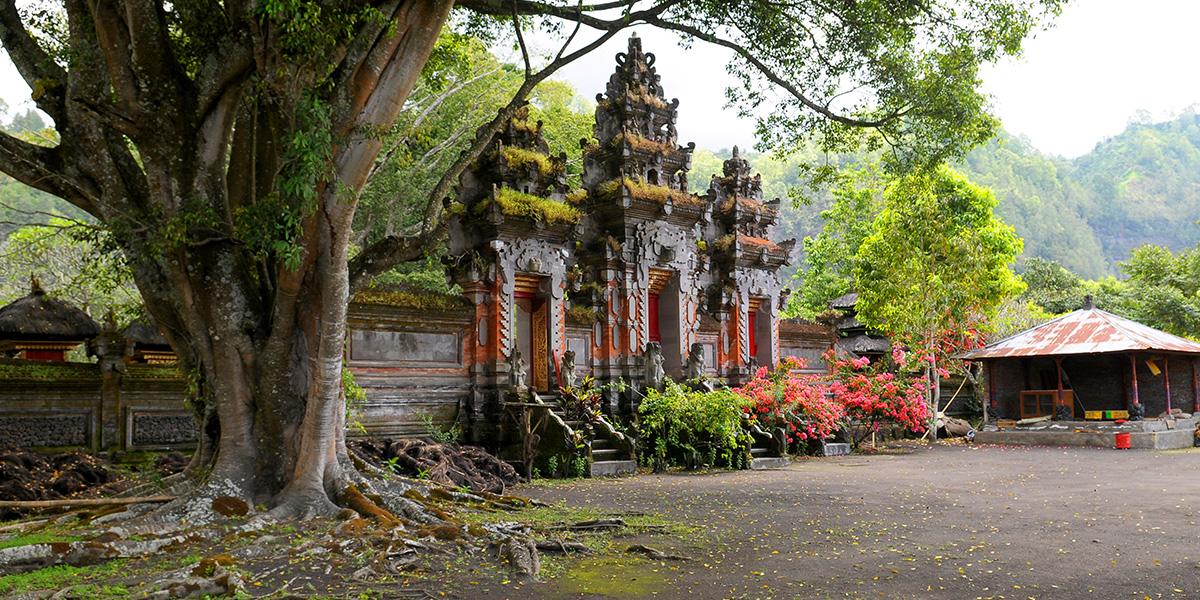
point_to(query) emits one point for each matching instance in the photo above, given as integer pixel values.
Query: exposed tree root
(353, 499)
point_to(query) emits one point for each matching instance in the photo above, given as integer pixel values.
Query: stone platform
(1151, 434)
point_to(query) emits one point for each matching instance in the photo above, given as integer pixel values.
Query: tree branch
(775, 78)
(35, 65)
(113, 40)
(41, 168)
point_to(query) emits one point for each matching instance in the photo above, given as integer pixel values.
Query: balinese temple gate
(633, 276)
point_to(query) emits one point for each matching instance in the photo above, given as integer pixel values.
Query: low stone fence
(409, 361)
(101, 406)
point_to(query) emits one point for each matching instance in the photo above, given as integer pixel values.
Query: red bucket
(1123, 442)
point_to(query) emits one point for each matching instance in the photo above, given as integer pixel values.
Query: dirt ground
(955, 522)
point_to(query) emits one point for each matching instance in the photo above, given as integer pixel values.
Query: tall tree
(937, 260)
(225, 145)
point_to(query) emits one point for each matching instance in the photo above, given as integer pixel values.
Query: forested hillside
(1142, 186)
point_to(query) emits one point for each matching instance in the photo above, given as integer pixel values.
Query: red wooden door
(655, 334)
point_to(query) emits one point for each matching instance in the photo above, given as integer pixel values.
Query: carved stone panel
(405, 346)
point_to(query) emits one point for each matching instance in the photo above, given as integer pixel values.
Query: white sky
(1079, 83)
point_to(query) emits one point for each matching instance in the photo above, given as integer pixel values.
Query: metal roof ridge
(963, 355)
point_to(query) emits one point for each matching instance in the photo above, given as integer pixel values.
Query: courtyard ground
(956, 522)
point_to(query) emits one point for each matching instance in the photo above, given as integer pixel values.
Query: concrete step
(605, 454)
(770, 462)
(614, 467)
(759, 451)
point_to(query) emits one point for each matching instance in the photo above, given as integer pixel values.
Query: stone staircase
(768, 449)
(606, 450)
(609, 452)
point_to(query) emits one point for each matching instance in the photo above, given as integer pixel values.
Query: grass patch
(58, 577)
(46, 535)
(418, 300)
(43, 371)
(645, 191)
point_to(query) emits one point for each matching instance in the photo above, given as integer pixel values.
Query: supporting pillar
(1058, 373)
(1133, 366)
(1167, 380)
(1195, 389)
(991, 388)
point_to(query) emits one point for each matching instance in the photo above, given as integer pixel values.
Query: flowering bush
(872, 396)
(684, 427)
(798, 404)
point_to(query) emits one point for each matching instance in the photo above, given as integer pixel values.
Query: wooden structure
(1087, 361)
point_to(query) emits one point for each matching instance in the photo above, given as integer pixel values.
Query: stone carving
(1137, 412)
(696, 367)
(517, 376)
(654, 366)
(568, 369)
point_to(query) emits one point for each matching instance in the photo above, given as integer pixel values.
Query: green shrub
(683, 427)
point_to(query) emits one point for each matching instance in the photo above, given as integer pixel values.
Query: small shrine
(633, 276)
(43, 328)
(145, 343)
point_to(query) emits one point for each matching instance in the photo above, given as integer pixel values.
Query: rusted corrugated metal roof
(1085, 331)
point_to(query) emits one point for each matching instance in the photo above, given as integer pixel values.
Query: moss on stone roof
(424, 300)
(514, 203)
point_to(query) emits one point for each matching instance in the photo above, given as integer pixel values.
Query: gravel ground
(953, 522)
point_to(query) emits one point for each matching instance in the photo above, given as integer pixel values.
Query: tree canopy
(226, 146)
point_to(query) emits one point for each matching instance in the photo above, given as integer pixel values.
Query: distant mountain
(1142, 186)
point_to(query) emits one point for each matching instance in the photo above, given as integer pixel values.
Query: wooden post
(991, 387)
(1167, 380)
(1195, 389)
(1058, 372)
(1133, 365)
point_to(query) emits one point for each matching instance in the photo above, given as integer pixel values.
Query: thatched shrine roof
(145, 335)
(41, 317)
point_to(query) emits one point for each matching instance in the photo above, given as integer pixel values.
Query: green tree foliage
(73, 261)
(1086, 214)
(937, 255)
(566, 117)
(1052, 287)
(20, 204)
(936, 260)
(830, 255)
(1043, 201)
(1163, 290)
(460, 89)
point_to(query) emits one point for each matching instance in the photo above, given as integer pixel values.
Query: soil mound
(31, 476)
(456, 466)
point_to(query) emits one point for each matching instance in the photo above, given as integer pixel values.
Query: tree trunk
(200, 212)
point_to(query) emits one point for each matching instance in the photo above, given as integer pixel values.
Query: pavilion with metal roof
(1088, 361)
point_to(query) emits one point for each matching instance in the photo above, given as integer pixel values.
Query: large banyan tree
(224, 143)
